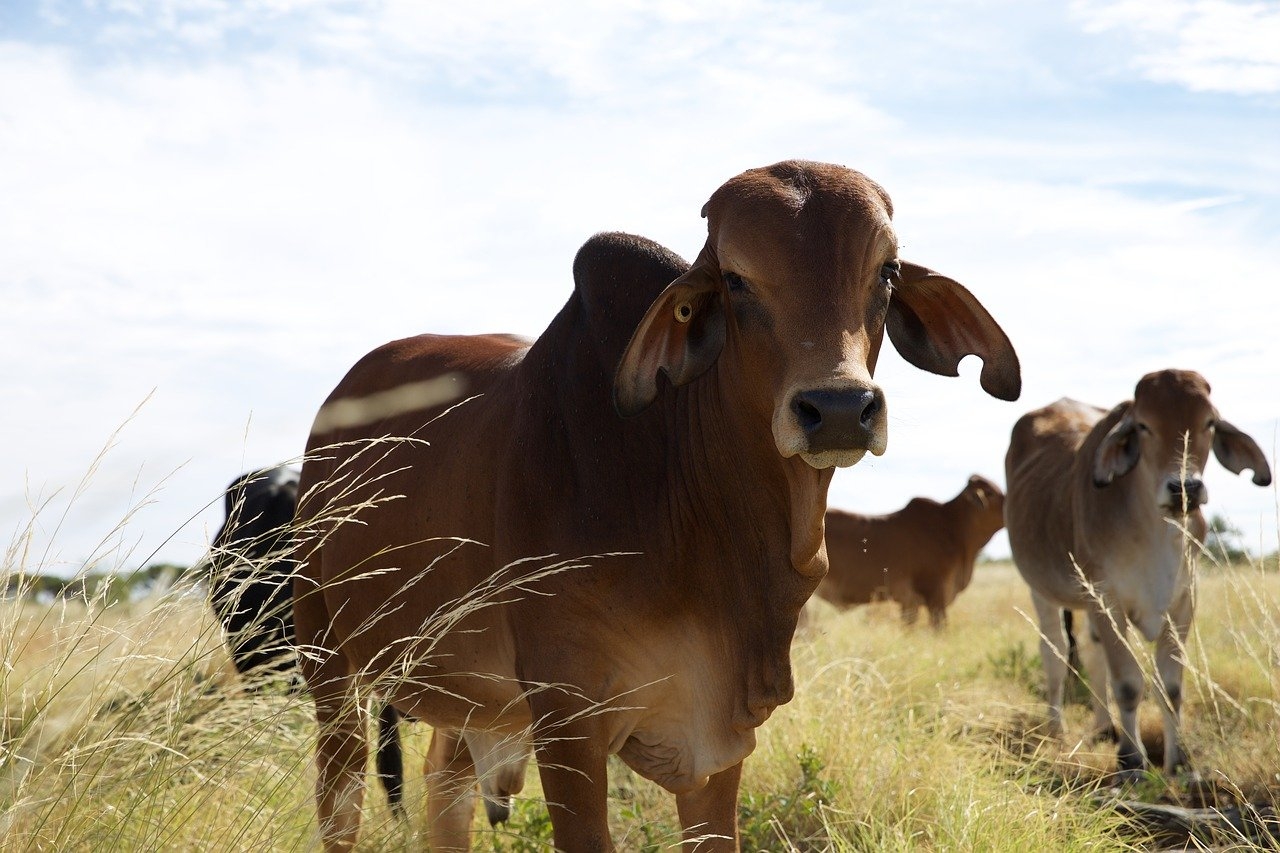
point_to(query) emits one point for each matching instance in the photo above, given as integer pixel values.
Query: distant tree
(1224, 541)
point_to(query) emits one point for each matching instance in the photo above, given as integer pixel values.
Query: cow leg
(500, 760)
(572, 764)
(1053, 654)
(709, 815)
(451, 787)
(341, 741)
(910, 613)
(1170, 646)
(1093, 660)
(1126, 685)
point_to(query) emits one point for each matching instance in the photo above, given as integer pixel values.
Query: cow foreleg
(1170, 647)
(709, 815)
(1093, 660)
(572, 764)
(1053, 654)
(1126, 685)
(451, 785)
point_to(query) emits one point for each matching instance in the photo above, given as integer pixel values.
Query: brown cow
(923, 554)
(1098, 510)
(612, 584)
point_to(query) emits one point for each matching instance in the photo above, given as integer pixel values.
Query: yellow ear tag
(684, 311)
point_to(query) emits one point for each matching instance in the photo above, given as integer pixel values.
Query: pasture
(125, 728)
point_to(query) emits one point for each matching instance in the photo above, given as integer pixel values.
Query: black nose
(838, 419)
(1187, 494)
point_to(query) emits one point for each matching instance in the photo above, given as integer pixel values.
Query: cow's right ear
(681, 335)
(1117, 454)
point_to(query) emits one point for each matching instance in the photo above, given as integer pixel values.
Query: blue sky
(209, 210)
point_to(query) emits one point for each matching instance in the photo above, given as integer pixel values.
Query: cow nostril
(807, 414)
(872, 409)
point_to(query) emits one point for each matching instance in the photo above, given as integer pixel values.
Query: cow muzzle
(832, 426)
(1184, 495)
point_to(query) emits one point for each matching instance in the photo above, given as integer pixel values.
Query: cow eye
(1143, 427)
(734, 282)
(891, 273)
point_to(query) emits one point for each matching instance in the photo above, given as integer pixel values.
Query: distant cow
(251, 570)
(923, 554)
(605, 536)
(1097, 508)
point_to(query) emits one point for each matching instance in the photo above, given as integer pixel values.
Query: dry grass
(124, 728)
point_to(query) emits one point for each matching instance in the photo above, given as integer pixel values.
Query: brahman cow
(1101, 511)
(251, 570)
(923, 554)
(550, 537)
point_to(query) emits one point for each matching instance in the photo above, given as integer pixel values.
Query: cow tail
(390, 762)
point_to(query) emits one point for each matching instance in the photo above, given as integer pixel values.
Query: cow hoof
(1105, 734)
(1128, 777)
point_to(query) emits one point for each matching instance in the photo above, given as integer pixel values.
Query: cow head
(1168, 430)
(984, 494)
(792, 294)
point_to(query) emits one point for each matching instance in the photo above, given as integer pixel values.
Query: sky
(210, 209)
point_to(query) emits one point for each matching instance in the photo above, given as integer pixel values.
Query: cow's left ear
(1237, 451)
(681, 335)
(934, 322)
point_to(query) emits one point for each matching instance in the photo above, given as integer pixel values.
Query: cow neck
(770, 510)
(699, 458)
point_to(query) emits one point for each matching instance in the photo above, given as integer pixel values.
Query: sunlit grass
(124, 727)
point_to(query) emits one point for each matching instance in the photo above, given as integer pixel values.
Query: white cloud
(233, 228)
(1204, 45)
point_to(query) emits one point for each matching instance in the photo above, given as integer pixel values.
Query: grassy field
(124, 728)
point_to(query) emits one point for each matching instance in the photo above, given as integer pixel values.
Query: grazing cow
(1098, 510)
(550, 537)
(923, 554)
(251, 570)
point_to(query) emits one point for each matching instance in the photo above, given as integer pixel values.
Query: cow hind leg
(451, 785)
(341, 740)
(709, 815)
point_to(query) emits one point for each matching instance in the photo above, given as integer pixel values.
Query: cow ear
(1117, 454)
(1237, 451)
(934, 322)
(681, 335)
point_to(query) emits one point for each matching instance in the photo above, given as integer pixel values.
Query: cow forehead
(1174, 396)
(799, 217)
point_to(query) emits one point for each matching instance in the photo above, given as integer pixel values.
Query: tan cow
(1097, 507)
(613, 584)
(923, 554)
